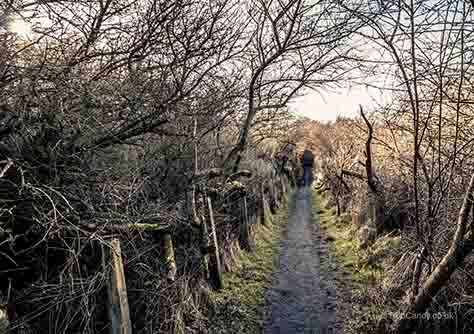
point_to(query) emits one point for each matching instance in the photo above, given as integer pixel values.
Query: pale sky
(322, 106)
(19, 26)
(326, 106)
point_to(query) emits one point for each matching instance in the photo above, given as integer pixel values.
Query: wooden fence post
(289, 177)
(276, 193)
(243, 225)
(255, 211)
(215, 271)
(170, 259)
(272, 200)
(261, 204)
(204, 233)
(117, 290)
(205, 248)
(283, 185)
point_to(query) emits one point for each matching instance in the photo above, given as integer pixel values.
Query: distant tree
(423, 47)
(294, 45)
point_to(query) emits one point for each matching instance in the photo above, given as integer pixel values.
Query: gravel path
(303, 294)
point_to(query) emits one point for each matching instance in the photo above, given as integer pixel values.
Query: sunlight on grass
(346, 245)
(365, 266)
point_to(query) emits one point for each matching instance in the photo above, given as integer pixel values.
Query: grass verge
(241, 306)
(365, 265)
(364, 269)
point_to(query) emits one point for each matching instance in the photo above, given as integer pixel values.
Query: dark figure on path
(307, 160)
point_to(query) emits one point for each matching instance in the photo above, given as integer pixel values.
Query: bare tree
(421, 48)
(295, 44)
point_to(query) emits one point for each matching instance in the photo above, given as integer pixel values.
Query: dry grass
(241, 306)
(367, 268)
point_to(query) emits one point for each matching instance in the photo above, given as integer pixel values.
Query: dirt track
(303, 295)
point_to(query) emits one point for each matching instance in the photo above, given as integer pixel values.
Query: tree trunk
(461, 247)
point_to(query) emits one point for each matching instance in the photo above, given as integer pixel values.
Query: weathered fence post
(283, 185)
(355, 216)
(192, 213)
(271, 202)
(291, 175)
(117, 290)
(169, 257)
(215, 271)
(4, 317)
(195, 167)
(261, 204)
(205, 248)
(255, 206)
(244, 236)
(277, 192)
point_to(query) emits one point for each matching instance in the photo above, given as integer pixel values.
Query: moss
(240, 307)
(233, 185)
(365, 266)
(369, 275)
(169, 250)
(346, 245)
(145, 226)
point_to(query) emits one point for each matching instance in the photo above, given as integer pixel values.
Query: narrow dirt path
(302, 295)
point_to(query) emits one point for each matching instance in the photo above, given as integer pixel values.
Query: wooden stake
(278, 191)
(275, 201)
(169, 257)
(205, 248)
(117, 290)
(283, 186)
(215, 271)
(195, 160)
(261, 204)
(244, 226)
